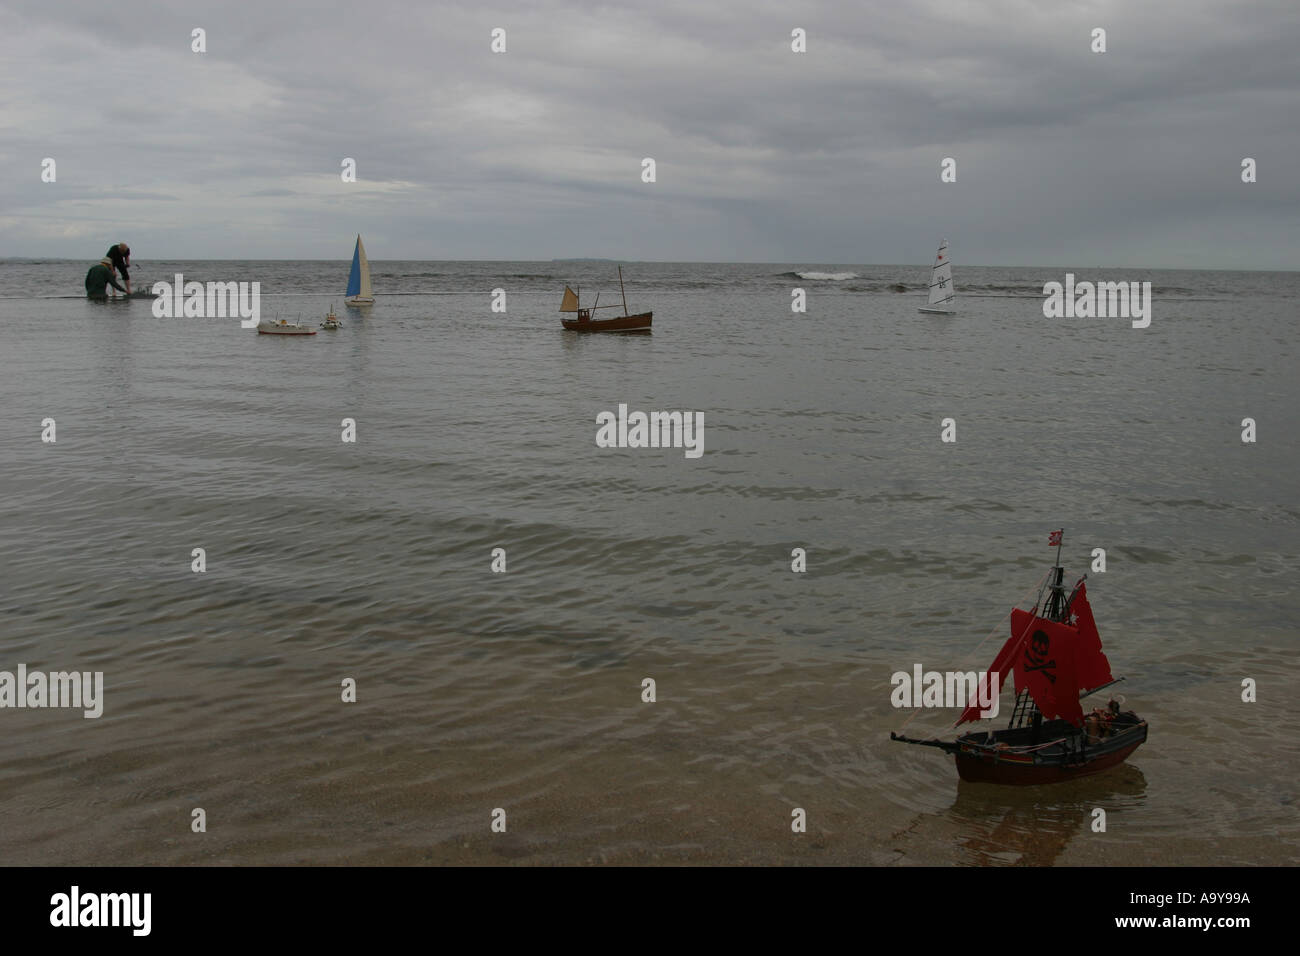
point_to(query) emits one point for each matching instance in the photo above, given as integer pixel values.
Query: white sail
(365, 270)
(941, 294)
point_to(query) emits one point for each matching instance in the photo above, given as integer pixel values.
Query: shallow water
(522, 690)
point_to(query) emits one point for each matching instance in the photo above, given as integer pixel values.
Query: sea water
(523, 689)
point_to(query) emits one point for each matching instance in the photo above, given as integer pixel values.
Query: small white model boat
(283, 327)
(331, 320)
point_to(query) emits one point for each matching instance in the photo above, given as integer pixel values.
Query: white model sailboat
(359, 278)
(941, 294)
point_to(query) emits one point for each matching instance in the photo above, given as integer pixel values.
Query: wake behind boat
(1055, 654)
(586, 323)
(941, 294)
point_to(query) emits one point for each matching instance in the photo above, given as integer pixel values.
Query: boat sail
(359, 279)
(585, 323)
(941, 294)
(1055, 655)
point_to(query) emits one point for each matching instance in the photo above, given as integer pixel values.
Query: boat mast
(620, 289)
(1055, 608)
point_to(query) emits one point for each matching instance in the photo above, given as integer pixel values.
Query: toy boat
(1055, 655)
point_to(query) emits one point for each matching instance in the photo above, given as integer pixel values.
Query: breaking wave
(826, 276)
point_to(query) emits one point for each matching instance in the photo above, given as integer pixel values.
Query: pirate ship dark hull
(1055, 764)
(1012, 757)
(1056, 657)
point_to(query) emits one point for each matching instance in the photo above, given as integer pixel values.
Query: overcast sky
(1130, 157)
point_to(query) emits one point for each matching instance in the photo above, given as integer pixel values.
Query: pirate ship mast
(1056, 657)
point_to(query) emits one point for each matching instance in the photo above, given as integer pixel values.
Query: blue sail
(354, 277)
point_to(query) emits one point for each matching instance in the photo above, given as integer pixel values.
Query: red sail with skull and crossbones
(1053, 660)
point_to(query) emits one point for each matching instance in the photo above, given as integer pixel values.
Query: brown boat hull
(982, 765)
(624, 323)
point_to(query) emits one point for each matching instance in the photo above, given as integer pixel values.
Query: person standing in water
(100, 275)
(120, 257)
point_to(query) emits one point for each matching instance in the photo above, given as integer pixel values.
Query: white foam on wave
(832, 276)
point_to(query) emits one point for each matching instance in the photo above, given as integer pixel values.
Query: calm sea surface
(522, 690)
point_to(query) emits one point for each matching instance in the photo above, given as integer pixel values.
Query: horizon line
(718, 262)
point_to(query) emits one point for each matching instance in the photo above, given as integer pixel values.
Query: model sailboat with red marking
(939, 300)
(1055, 655)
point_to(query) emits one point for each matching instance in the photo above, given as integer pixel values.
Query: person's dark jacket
(98, 277)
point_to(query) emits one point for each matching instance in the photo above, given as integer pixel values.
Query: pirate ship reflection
(995, 826)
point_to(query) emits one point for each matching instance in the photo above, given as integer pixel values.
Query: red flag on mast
(1054, 539)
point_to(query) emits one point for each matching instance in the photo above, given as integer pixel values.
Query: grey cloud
(1130, 157)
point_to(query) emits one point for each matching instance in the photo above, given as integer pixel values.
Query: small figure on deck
(120, 257)
(100, 275)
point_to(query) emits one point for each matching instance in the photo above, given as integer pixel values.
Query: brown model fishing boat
(586, 323)
(1055, 654)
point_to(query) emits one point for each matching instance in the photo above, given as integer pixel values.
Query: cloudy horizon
(1127, 158)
